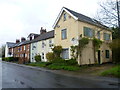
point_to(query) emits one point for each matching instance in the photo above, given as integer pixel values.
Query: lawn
(114, 72)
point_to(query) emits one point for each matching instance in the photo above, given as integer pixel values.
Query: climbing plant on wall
(96, 45)
(81, 45)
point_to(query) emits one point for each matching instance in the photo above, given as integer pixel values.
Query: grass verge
(58, 65)
(114, 72)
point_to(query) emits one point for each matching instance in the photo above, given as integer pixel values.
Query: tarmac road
(15, 76)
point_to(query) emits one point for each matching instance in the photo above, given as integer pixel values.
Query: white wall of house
(44, 47)
(6, 50)
(33, 51)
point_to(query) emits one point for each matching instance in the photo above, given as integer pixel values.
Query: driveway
(16, 76)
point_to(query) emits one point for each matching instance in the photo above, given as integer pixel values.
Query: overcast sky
(18, 18)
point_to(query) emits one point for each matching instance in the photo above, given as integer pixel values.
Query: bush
(72, 62)
(115, 46)
(57, 51)
(3, 59)
(37, 58)
(10, 59)
(50, 56)
(58, 60)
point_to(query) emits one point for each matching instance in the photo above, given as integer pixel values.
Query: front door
(98, 56)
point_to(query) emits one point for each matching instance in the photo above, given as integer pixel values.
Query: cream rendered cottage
(69, 25)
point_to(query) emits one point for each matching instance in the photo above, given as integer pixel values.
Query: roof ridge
(79, 13)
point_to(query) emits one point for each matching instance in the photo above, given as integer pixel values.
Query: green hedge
(10, 59)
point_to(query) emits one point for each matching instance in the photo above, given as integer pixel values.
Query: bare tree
(108, 13)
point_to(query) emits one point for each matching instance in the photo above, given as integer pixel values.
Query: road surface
(14, 76)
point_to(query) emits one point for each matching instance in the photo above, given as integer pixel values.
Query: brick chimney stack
(42, 30)
(17, 40)
(22, 39)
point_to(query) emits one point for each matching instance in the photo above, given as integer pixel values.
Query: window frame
(107, 38)
(65, 34)
(88, 32)
(107, 53)
(98, 35)
(65, 50)
(64, 16)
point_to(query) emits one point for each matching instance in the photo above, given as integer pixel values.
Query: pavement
(60, 78)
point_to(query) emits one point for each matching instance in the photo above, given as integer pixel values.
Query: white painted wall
(46, 48)
(33, 51)
(6, 50)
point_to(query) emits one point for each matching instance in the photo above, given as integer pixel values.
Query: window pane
(107, 53)
(65, 54)
(65, 17)
(106, 36)
(64, 34)
(98, 34)
(88, 32)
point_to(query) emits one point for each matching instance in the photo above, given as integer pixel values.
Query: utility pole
(118, 13)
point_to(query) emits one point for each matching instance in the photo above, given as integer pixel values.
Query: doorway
(99, 57)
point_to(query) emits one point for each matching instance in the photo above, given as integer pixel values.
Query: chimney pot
(22, 39)
(17, 40)
(42, 30)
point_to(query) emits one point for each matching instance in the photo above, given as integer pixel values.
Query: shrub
(115, 46)
(58, 60)
(72, 62)
(3, 59)
(57, 51)
(10, 59)
(50, 56)
(37, 58)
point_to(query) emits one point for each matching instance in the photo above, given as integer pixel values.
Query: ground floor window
(42, 55)
(65, 53)
(107, 53)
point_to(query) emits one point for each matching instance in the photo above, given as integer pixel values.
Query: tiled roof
(44, 36)
(87, 19)
(33, 34)
(10, 44)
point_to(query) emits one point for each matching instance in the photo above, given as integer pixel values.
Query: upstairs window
(43, 44)
(98, 34)
(24, 48)
(106, 36)
(64, 34)
(50, 43)
(65, 16)
(88, 32)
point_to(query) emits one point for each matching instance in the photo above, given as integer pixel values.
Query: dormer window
(65, 16)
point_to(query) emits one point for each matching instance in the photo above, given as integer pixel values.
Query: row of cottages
(68, 26)
(36, 44)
